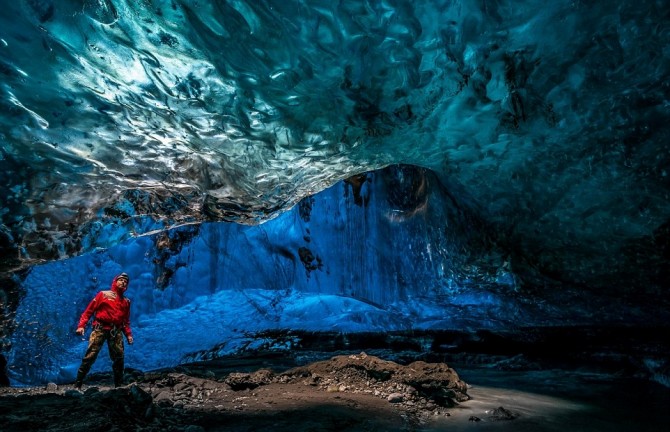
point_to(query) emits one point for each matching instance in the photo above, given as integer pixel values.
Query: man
(112, 318)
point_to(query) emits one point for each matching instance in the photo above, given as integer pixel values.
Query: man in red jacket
(111, 322)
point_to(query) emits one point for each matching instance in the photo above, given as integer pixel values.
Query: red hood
(115, 289)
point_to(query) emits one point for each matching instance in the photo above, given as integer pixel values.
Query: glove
(80, 331)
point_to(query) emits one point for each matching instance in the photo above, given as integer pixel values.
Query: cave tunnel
(482, 185)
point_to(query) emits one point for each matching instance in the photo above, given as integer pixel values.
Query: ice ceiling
(547, 121)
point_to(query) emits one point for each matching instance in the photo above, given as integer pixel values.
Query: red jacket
(111, 310)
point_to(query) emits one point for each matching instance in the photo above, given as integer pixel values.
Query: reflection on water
(558, 400)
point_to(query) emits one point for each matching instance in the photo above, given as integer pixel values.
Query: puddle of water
(552, 401)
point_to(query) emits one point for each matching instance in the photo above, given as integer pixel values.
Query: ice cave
(484, 183)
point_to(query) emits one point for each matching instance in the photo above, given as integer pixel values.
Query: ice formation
(526, 148)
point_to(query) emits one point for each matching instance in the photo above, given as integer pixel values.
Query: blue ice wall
(383, 251)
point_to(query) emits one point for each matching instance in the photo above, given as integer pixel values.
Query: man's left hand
(130, 340)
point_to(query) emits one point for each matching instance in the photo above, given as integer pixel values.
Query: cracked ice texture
(548, 117)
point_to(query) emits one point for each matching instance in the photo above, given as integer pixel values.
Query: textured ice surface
(544, 123)
(550, 116)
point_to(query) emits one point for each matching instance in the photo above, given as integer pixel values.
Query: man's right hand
(80, 331)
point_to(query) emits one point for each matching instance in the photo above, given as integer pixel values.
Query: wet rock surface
(347, 392)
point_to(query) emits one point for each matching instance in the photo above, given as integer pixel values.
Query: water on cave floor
(558, 400)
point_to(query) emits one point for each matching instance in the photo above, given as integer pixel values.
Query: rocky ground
(345, 393)
(538, 379)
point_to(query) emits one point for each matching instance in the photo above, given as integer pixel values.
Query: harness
(111, 328)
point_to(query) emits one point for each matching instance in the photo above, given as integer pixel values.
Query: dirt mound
(419, 381)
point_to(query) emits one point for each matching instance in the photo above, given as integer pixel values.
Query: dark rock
(73, 393)
(501, 413)
(164, 398)
(395, 397)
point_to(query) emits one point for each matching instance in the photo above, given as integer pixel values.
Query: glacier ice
(551, 117)
(542, 127)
